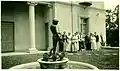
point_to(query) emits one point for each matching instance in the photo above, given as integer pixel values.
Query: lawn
(103, 59)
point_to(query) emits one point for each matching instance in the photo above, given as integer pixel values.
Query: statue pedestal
(54, 64)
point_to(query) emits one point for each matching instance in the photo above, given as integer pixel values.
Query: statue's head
(55, 22)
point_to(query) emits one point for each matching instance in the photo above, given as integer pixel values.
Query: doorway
(7, 36)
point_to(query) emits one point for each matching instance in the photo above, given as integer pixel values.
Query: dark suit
(87, 42)
(97, 38)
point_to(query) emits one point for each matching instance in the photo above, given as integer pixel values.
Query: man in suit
(97, 41)
(87, 42)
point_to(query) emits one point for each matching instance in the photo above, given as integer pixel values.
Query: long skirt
(68, 48)
(88, 46)
(98, 45)
(93, 45)
(64, 46)
(74, 47)
(77, 46)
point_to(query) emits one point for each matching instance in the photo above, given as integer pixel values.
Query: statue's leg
(59, 46)
(51, 52)
(71, 46)
(63, 48)
(54, 45)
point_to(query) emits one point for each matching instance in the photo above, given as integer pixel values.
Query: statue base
(53, 65)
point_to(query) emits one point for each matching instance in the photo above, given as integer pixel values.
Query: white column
(32, 48)
(50, 22)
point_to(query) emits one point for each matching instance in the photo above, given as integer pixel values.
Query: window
(84, 24)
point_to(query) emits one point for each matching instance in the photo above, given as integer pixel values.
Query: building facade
(25, 25)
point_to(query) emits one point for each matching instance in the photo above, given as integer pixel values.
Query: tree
(112, 26)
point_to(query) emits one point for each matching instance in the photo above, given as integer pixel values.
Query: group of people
(77, 42)
(92, 41)
(74, 42)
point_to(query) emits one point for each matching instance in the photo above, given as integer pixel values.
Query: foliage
(112, 26)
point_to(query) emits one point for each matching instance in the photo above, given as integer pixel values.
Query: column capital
(32, 3)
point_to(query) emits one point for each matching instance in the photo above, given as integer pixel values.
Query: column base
(33, 50)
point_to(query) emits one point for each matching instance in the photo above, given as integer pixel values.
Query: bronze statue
(55, 37)
(53, 55)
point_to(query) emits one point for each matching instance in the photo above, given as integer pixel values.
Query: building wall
(19, 13)
(63, 14)
(20, 16)
(96, 23)
(40, 28)
(21, 19)
(96, 4)
(77, 13)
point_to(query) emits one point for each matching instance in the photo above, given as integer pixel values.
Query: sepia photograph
(60, 34)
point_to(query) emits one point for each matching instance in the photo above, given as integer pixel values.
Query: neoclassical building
(25, 25)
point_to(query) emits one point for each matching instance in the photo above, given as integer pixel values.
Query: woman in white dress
(68, 48)
(75, 46)
(93, 42)
(76, 39)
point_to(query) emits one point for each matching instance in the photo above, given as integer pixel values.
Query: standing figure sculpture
(55, 36)
(54, 60)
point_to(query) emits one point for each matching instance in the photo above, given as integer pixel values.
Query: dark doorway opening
(7, 36)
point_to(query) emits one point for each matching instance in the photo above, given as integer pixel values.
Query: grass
(101, 61)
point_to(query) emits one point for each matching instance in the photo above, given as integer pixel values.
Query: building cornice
(45, 2)
(50, 3)
(65, 3)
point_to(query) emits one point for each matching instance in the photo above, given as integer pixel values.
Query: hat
(55, 22)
